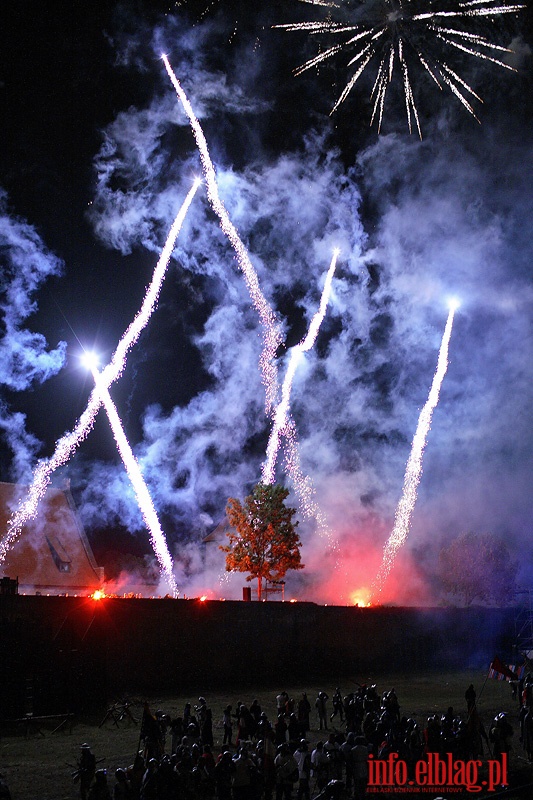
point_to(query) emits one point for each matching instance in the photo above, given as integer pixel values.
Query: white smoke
(415, 222)
(25, 359)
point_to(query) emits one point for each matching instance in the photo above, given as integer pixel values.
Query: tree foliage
(264, 541)
(478, 567)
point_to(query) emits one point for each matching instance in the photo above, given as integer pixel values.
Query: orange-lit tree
(264, 541)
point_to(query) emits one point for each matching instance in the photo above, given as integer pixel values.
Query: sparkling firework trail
(413, 470)
(157, 537)
(69, 441)
(272, 335)
(303, 486)
(282, 414)
(407, 33)
(284, 425)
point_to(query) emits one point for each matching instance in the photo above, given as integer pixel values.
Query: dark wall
(77, 652)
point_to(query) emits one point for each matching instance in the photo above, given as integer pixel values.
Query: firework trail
(304, 489)
(413, 470)
(407, 33)
(69, 441)
(284, 424)
(272, 335)
(282, 413)
(157, 537)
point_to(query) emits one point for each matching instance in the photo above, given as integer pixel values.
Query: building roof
(52, 554)
(219, 533)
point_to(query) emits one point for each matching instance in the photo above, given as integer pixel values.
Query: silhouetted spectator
(86, 770)
(320, 705)
(122, 788)
(5, 794)
(303, 759)
(319, 766)
(470, 697)
(280, 730)
(99, 789)
(286, 772)
(500, 735)
(304, 710)
(360, 767)
(227, 724)
(223, 775)
(338, 706)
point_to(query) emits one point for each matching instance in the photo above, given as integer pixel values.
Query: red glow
(360, 598)
(99, 594)
(346, 579)
(203, 598)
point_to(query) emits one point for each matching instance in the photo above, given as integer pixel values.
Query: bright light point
(99, 594)
(90, 360)
(336, 252)
(197, 182)
(66, 445)
(453, 303)
(203, 598)
(360, 598)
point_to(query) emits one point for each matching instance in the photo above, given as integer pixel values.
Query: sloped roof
(52, 553)
(219, 533)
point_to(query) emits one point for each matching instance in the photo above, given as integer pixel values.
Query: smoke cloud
(25, 358)
(415, 221)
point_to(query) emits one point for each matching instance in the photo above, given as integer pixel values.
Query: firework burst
(405, 36)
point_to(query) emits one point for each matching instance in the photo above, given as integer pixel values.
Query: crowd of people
(270, 757)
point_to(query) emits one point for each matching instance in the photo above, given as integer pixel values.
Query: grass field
(40, 767)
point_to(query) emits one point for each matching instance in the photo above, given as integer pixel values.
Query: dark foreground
(40, 767)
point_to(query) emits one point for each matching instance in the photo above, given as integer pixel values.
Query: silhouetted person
(470, 697)
(86, 770)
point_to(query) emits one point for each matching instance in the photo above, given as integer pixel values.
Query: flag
(500, 671)
(149, 725)
(519, 671)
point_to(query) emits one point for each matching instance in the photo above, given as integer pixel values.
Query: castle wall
(78, 652)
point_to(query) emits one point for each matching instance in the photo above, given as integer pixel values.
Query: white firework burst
(407, 35)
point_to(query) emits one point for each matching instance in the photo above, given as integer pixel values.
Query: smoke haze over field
(416, 222)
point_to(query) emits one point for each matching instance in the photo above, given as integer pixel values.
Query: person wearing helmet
(303, 759)
(99, 789)
(150, 782)
(286, 772)
(500, 735)
(86, 769)
(122, 789)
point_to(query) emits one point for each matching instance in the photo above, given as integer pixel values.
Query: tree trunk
(259, 587)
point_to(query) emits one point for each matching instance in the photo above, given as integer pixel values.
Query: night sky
(96, 157)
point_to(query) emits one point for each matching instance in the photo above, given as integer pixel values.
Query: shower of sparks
(407, 33)
(282, 413)
(144, 499)
(303, 487)
(67, 444)
(413, 470)
(272, 335)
